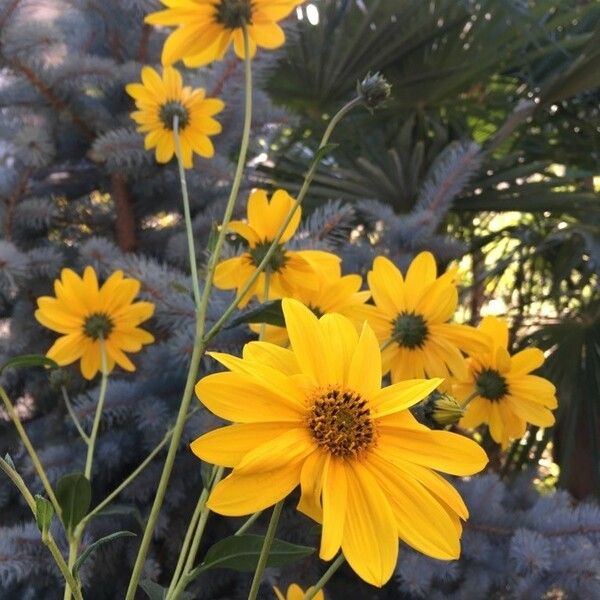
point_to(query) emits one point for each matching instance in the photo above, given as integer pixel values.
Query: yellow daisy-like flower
(316, 415)
(206, 28)
(159, 101)
(294, 592)
(288, 270)
(507, 395)
(412, 317)
(335, 294)
(83, 313)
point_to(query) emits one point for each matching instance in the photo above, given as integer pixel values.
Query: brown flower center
(171, 109)
(98, 325)
(340, 421)
(491, 385)
(233, 14)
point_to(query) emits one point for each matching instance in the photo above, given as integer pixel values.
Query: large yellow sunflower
(84, 313)
(502, 390)
(316, 415)
(412, 317)
(206, 28)
(160, 100)
(335, 294)
(288, 270)
(294, 592)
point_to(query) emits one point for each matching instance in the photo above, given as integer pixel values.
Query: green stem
(469, 399)
(263, 326)
(35, 459)
(248, 523)
(199, 342)
(386, 344)
(89, 459)
(187, 213)
(275, 243)
(73, 548)
(48, 540)
(335, 565)
(73, 416)
(264, 553)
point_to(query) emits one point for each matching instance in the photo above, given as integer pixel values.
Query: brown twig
(12, 201)
(125, 226)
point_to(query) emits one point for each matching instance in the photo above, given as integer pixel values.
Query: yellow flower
(335, 294)
(160, 100)
(288, 270)
(294, 592)
(206, 28)
(508, 396)
(316, 415)
(411, 320)
(84, 312)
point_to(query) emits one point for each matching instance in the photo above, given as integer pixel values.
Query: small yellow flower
(316, 416)
(412, 320)
(294, 592)
(160, 100)
(84, 313)
(206, 28)
(288, 270)
(508, 396)
(335, 294)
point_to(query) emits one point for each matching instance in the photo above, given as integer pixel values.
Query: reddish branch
(125, 225)
(12, 201)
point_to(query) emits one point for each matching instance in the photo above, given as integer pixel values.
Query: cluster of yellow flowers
(308, 402)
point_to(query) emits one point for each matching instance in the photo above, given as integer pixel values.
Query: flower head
(86, 314)
(206, 28)
(287, 270)
(506, 395)
(316, 416)
(294, 592)
(412, 320)
(335, 294)
(160, 100)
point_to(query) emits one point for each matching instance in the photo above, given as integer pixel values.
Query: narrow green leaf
(123, 509)
(74, 495)
(44, 511)
(108, 538)
(29, 360)
(269, 312)
(213, 236)
(207, 474)
(322, 152)
(158, 592)
(9, 461)
(241, 553)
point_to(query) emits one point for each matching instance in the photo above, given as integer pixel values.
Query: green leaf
(322, 152)
(29, 360)
(74, 495)
(269, 312)
(9, 461)
(241, 553)
(44, 511)
(212, 238)
(158, 592)
(123, 509)
(108, 538)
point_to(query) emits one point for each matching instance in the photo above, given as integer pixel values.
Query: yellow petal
(67, 348)
(272, 355)
(496, 329)
(526, 361)
(419, 277)
(311, 482)
(401, 396)
(335, 497)
(342, 339)
(387, 287)
(364, 375)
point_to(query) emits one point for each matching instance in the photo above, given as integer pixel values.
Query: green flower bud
(374, 90)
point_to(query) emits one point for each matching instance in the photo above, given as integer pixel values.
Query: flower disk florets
(169, 110)
(340, 421)
(491, 385)
(98, 325)
(234, 13)
(410, 330)
(277, 260)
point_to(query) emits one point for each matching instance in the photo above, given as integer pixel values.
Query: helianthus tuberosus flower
(503, 392)
(294, 592)
(287, 270)
(412, 317)
(335, 294)
(159, 100)
(85, 313)
(207, 28)
(316, 415)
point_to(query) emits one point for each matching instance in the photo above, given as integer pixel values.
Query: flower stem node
(374, 90)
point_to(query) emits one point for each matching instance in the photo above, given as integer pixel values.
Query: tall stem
(35, 459)
(275, 243)
(263, 326)
(335, 565)
(89, 459)
(264, 553)
(199, 342)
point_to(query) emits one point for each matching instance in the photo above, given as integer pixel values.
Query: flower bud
(374, 90)
(438, 410)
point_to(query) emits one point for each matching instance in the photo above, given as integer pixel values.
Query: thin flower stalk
(199, 337)
(333, 567)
